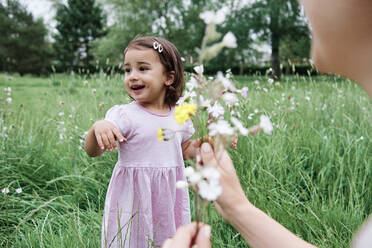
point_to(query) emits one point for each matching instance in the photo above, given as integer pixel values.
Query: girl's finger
(119, 136)
(100, 142)
(111, 139)
(106, 142)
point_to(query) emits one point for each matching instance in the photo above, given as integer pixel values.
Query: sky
(42, 9)
(45, 10)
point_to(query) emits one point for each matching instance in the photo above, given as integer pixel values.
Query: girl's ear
(170, 78)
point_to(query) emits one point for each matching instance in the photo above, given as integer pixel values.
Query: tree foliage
(23, 44)
(173, 20)
(79, 23)
(275, 21)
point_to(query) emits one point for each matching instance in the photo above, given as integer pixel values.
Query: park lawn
(313, 174)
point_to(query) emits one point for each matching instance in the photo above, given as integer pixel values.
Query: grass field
(313, 174)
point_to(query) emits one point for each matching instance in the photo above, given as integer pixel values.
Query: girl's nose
(133, 76)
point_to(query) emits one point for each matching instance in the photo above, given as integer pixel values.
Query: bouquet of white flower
(218, 98)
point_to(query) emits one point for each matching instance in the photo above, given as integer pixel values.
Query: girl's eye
(143, 68)
(127, 70)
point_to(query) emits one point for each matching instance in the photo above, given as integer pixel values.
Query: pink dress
(143, 207)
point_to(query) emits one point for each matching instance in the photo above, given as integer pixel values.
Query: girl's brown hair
(171, 60)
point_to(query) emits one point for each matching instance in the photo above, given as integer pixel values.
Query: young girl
(143, 207)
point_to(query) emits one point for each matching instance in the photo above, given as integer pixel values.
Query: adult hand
(107, 134)
(232, 195)
(188, 236)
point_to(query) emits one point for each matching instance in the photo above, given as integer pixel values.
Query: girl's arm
(102, 135)
(190, 148)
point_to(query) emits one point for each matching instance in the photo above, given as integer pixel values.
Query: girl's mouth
(137, 87)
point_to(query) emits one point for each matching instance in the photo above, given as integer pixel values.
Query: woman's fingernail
(207, 231)
(121, 140)
(103, 148)
(206, 147)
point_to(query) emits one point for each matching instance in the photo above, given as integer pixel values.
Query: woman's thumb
(207, 155)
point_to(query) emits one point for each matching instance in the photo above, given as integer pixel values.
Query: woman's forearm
(260, 230)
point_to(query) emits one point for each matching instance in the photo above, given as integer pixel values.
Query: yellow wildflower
(184, 112)
(160, 134)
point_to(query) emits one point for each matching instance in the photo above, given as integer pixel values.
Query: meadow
(313, 174)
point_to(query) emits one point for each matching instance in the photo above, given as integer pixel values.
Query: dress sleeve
(189, 130)
(116, 115)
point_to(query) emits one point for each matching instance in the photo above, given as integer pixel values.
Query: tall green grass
(313, 174)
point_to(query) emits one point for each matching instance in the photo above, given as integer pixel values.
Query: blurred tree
(275, 20)
(23, 44)
(79, 23)
(295, 48)
(177, 21)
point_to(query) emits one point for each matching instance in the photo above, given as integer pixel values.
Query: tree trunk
(275, 38)
(275, 61)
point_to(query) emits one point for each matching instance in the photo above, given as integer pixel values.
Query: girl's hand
(106, 135)
(190, 148)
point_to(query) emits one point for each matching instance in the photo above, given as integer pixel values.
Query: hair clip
(157, 46)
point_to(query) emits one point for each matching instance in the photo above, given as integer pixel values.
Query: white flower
(265, 124)
(216, 110)
(244, 92)
(270, 80)
(209, 191)
(307, 98)
(187, 95)
(181, 184)
(9, 100)
(211, 174)
(230, 98)
(192, 83)
(238, 124)
(195, 177)
(8, 89)
(94, 90)
(204, 102)
(199, 69)
(212, 17)
(361, 138)
(222, 127)
(183, 59)
(61, 113)
(19, 190)
(225, 82)
(189, 171)
(265, 89)
(229, 40)
(5, 191)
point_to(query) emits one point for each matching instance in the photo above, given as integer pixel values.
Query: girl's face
(145, 78)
